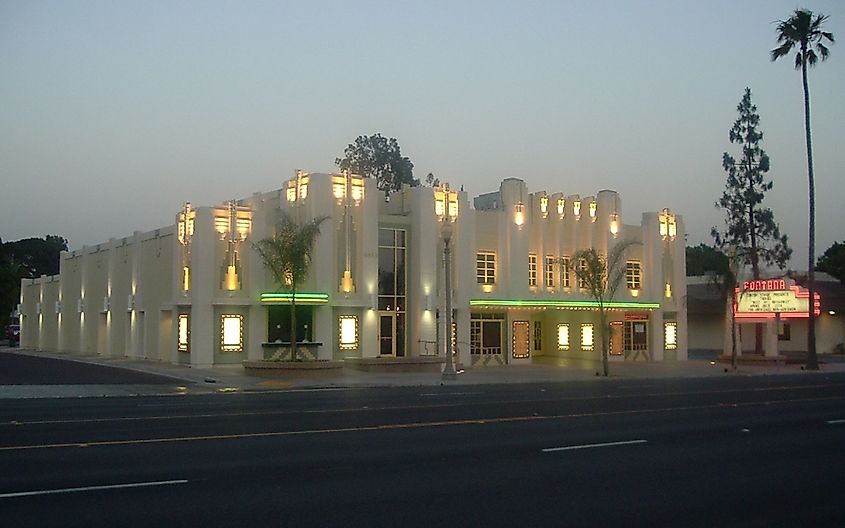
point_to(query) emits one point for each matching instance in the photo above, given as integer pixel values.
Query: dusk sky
(112, 114)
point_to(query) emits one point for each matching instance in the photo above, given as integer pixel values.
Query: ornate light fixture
(614, 224)
(576, 209)
(593, 207)
(184, 232)
(544, 205)
(347, 189)
(561, 207)
(297, 186)
(234, 229)
(668, 227)
(519, 214)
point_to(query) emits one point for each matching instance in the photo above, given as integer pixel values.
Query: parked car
(13, 334)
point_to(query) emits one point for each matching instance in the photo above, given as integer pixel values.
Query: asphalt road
(752, 451)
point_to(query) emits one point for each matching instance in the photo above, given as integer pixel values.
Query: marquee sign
(773, 297)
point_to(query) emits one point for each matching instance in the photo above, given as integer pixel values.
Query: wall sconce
(667, 291)
(668, 227)
(38, 308)
(634, 292)
(106, 304)
(614, 224)
(544, 205)
(58, 307)
(429, 302)
(576, 209)
(519, 214)
(130, 302)
(373, 301)
(593, 207)
(80, 306)
(561, 207)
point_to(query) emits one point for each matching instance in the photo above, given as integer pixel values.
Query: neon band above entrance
(301, 298)
(561, 305)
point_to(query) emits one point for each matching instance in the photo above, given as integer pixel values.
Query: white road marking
(92, 488)
(834, 422)
(449, 393)
(589, 446)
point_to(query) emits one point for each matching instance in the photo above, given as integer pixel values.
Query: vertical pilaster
(203, 287)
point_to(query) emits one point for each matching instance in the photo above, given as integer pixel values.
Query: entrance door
(387, 333)
(636, 339)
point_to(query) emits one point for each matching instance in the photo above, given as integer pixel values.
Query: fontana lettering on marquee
(773, 298)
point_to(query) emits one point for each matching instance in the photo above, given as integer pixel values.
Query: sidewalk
(231, 378)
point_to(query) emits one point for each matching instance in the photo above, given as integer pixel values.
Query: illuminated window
(348, 328)
(184, 333)
(186, 278)
(564, 272)
(563, 337)
(633, 274)
(550, 271)
(587, 336)
(670, 335)
(485, 267)
(520, 340)
(232, 333)
(538, 336)
(532, 269)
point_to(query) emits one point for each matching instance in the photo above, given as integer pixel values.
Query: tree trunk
(812, 360)
(605, 341)
(293, 325)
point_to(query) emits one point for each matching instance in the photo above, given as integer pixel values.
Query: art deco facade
(197, 293)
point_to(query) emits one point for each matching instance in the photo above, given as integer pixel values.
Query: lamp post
(446, 209)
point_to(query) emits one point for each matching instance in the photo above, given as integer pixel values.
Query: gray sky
(114, 113)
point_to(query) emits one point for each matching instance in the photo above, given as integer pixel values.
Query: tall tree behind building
(26, 259)
(381, 158)
(750, 227)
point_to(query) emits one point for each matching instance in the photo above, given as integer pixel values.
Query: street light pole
(449, 369)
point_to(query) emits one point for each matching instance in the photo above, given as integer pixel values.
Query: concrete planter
(265, 368)
(396, 364)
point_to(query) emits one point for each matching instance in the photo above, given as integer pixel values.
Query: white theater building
(196, 292)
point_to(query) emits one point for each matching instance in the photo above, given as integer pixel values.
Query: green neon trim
(285, 298)
(550, 303)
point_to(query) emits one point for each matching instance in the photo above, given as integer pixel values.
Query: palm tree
(287, 254)
(601, 276)
(804, 31)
